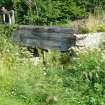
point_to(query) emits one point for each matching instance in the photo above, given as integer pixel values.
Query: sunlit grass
(75, 81)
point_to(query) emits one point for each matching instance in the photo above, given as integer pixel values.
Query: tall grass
(94, 22)
(79, 81)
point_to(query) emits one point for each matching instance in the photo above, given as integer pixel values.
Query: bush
(83, 30)
(101, 28)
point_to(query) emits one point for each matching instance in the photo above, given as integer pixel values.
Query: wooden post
(13, 17)
(43, 56)
(10, 21)
(4, 18)
(4, 11)
(35, 55)
(10, 14)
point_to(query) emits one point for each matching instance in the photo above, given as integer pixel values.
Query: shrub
(101, 28)
(83, 29)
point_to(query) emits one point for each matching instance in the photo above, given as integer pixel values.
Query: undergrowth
(79, 81)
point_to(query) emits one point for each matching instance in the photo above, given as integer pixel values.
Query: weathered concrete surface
(91, 40)
(57, 38)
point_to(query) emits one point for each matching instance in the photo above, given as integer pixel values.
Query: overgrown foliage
(64, 80)
(50, 12)
(79, 81)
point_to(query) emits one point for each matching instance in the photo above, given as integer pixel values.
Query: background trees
(51, 11)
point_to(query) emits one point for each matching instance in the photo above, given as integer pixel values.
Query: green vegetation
(65, 80)
(52, 12)
(79, 81)
(101, 28)
(92, 24)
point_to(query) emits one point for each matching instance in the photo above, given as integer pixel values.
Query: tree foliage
(51, 11)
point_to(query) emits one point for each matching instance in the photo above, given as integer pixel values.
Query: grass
(94, 23)
(10, 101)
(79, 81)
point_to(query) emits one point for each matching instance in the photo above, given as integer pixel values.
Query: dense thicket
(51, 11)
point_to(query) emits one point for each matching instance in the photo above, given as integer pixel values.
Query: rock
(91, 40)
